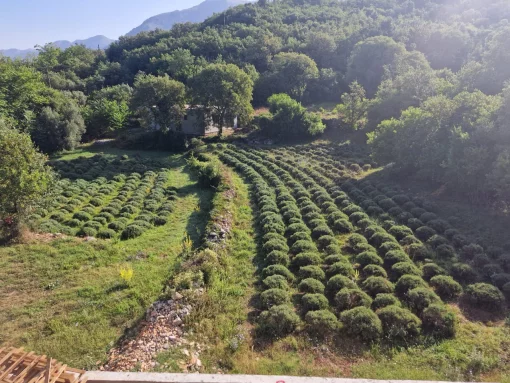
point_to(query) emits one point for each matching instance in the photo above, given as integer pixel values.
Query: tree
(25, 180)
(368, 60)
(160, 101)
(292, 72)
(354, 107)
(59, 126)
(224, 91)
(105, 116)
(289, 119)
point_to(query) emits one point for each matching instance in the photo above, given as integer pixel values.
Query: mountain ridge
(164, 21)
(195, 14)
(94, 42)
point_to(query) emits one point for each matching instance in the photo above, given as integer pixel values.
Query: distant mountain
(102, 42)
(195, 14)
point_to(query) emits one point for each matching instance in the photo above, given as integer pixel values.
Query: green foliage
(274, 297)
(278, 321)
(485, 296)
(160, 101)
(223, 91)
(321, 323)
(314, 302)
(311, 286)
(400, 326)
(446, 287)
(353, 109)
(363, 323)
(383, 300)
(347, 299)
(439, 321)
(289, 118)
(26, 180)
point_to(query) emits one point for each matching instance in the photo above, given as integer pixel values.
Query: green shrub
(383, 300)
(321, 323)
(347, 299)
(407, 283)
(446, 287)
(463, 273)
(296, 228)
(299, 236)
(117, 225)
(314, 302)
(93, 224)
(311, 286)
(333, 249)
(312, 271)
(491, 269)
(374, 271)
(87, 232)
(377, 285)
(303, 246)
(337, 283)
(414, 223)
(320, 231)
(420, 298)
(106, 234)
(499, 280)
(368, 258)
(334, 258)
(305, 259)
(274, 297)
(425, 232)
(485, 296)
(426, 217)
(400, 232)
(395, 256)
(403, 268)
(132, 231)
(342, 267)
(101, 220)
(276, 282)
(356, 239)
(363, 323)
(325, 241)
(430, 270)
(438, 225)
(278, 321)
(277, 257)
(469, 251)
(278, 270)
(73, 223)
(436, 240)
(439, 322)
(399, 325)
(389, 246)
(343, 226)
(419, 253)
(82, 216)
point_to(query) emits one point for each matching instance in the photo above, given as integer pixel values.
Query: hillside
(196, 14)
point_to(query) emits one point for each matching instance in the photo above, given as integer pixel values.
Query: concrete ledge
(144, 377)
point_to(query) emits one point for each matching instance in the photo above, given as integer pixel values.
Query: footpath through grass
(65, 297)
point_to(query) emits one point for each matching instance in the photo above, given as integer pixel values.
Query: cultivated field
(327, 268)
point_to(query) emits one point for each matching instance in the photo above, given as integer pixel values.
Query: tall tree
(292, 72)
(225, 91)
(160, 101)
(354, 107)
(25, 180)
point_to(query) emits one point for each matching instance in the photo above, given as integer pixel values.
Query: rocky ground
(161, 330)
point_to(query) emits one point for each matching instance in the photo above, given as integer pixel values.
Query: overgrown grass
(65, 297)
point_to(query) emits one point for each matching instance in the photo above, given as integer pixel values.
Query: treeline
(449, 60)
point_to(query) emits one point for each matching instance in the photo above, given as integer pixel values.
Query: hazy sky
(25, 23)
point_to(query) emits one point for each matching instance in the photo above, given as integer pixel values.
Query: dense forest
(426, 80)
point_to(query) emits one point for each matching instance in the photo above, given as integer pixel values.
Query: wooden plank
(48, 369)
(59, 372)
(23, 373)
(13, 366)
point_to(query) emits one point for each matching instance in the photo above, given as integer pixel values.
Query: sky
(25, 23)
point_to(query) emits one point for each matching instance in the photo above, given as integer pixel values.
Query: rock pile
(161, 330)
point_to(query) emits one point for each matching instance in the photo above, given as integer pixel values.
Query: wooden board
(19, 366)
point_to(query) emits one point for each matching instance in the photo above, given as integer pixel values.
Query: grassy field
(65, 297)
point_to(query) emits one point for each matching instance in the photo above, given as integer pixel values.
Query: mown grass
(65, 297)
